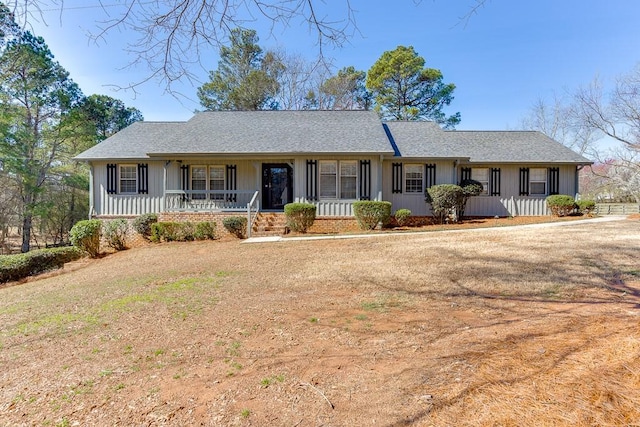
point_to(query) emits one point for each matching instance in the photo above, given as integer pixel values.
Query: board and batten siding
(127, 204)
(415, 202)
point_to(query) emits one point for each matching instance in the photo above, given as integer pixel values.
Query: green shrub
(115, 233)
(300, 216)
(19, 266)
(236, 225)
(370, 213)
(86, 236)
(402, 216)
(142, 224)
(586, 207)
(205, 230)
(561, 204)
(182, 231)
(444, 200)
(470, 188)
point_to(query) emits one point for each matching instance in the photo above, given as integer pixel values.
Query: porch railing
(253, 205)
(210, 200)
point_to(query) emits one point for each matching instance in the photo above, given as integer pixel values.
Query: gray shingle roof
(427, 140)
(250, 132)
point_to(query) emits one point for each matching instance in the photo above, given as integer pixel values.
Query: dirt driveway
(510, 328)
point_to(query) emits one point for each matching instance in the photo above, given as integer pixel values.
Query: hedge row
(182, 231)
(19, 266)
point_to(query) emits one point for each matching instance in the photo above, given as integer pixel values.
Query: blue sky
(507, 56)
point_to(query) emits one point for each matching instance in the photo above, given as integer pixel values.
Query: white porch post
(164, 186)
(379, 178)
(91, 195)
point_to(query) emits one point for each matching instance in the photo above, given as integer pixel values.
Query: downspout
(379, 174)
(91, 196)
(454, 178)
(164, 186)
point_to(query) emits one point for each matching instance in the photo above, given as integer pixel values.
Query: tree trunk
(26, 232)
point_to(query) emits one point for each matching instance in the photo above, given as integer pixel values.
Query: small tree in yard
(561, 204)
(444, 200)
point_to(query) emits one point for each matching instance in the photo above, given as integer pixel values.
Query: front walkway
(272, 239)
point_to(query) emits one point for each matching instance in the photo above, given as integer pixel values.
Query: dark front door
(277, 188)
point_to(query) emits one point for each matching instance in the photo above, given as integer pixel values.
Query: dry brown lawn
(499, 327)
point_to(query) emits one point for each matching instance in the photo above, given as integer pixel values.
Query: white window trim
(406, 171)
(485, 183)
(207, 177)
(135, 178)
(338, 175)
(341, 176)
(544, 181)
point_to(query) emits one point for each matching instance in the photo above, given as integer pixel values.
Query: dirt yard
(494, 327)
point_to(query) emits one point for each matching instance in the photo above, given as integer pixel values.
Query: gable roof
(249, 132)
(427, 140)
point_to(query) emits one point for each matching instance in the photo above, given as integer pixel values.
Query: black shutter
(396, 184)
(430, 175)
(312, 180)
(112, 178)
(365, 179)
(143, 178)
(524, 181)
(184, 174)
(465, 174)
(495, 181)
(230, 182)
(554, 181)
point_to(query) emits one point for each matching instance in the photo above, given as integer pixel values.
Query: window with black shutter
(554, 180)
(524, 181)
(396, 181)
(465, 174)
(231, 182)
(112, 178)
(365, 179)
(430, 174)
(312, 180)
(495, 181)
(143, 178)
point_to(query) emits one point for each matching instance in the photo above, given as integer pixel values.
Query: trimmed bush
(86, 236)
(205, 230)
(115, 233)
(236, 225)
(470, 188)
(19, 266)
(561, 204)
(370, 213)
(402, 216)
(142, 224)
(300, 216)
(444, 200)
(586, 207)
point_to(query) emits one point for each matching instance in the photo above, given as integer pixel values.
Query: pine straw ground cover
(504, 327)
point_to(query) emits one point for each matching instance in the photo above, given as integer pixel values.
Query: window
(482, 176)
(128, 179)
(537, 181)
(338, 180)
(216, 181)
(328, 180)
(198, 181)
(348, 178)
(413, 178)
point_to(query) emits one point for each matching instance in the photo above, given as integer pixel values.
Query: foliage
(182, 231)
(300, 216)
(37, 96)
(142, 224)
(107, 115)
(18, 266)
(115, 233)
(561, 204)
(470, 188)
(346, 91)
(236, 225)
(444, 200)
(205, 230)
(370, 213)
(586, 206)
(404, 89)
(245, 79)
(86, 236)
(402, 216)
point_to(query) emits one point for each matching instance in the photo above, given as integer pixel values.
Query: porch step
(269, 224)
